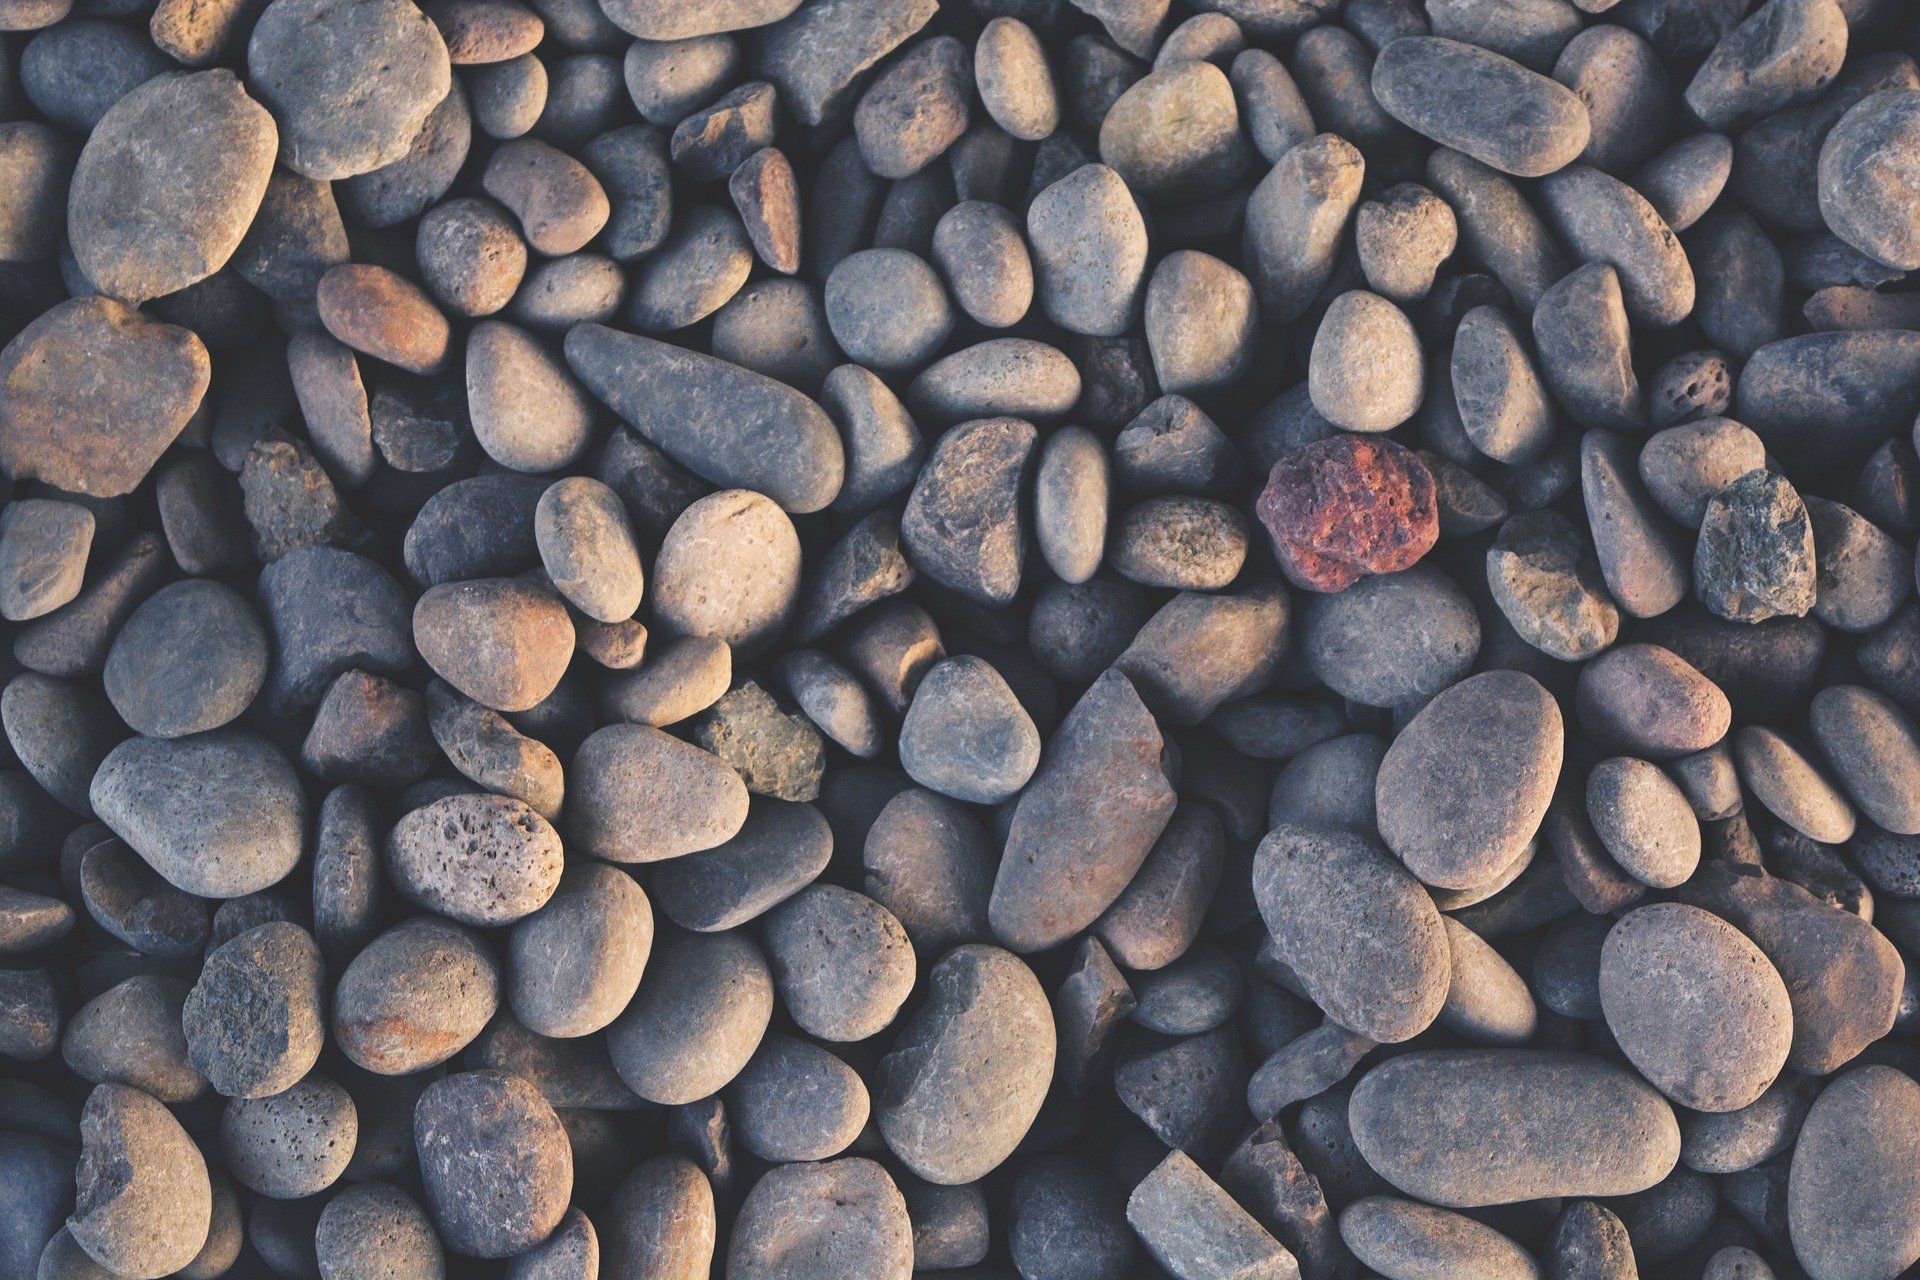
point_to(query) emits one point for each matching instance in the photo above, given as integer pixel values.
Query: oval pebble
(495, 1162)
(700, 1013)
(1853, 1190)
(482, 860)
(836, 1217)
(414, 997)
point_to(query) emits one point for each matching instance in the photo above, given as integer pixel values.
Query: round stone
(1853, 1189)
(495, 1161)
(1645, 821)
(640, 795)
(837, 1217)
(729, 568)
(965, 734)
(291, 1144)
(1696, 1007)
(504, 642)
(191, 658)
(414, 997)
(144, 1201)
(574, 964)
(483, 860)
(841, 962)
(256, 1017)
(702, 1008)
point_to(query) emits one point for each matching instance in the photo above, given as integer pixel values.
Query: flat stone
(1465, 1128)
(968, 1071)
(1447, 90)
(92, 393)
(730, 425)
(1387, 977)
(153, 207)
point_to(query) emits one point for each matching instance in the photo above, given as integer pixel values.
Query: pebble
(1659, 965)
(1407, 1238)
(1872, 746)
(191, 658)
(1296, 218)
(1791, 786)
(690, 798)
(1467, 1128)
(478, 859)
(373, 1225)
(1067, 1218)
(968, 1072)
(292, 1144)
(1344, 507)
(1755, 557)
(1446, 90)
(1388, 977)
(144, 1197)
(415, 996)
(1193, 1228)
(1784, 54)
(1174, 135)
(796, 1101)
(782, 846)
(99, 435)
(574, 964)
(1862, 574)
(700, 1013)
(1854, 1180)
(495, 1163)
(1366, 371)
(1547, 583)
(740, 537)
(195, 191)
(130, 1034)
(725, 423)
(504, 642)
(305, 57)
(785, 1231)
(274, 973)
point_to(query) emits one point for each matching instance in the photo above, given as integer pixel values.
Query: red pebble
(1346, 506)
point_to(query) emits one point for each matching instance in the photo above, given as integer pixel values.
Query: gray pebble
(841, 962)
(962, 525)
(130, 1034)
(504, 642)
(374, 1227)
(969, 1070)
(1546, 581)
(929, 862)
(237, 830)
(1683, 181)
(916, 109)
(1366, 372)
(1873, 747)
(1503, 408)
(414, 997)
(1685, 466)
(1089, 251)
(1755, 557)
(43, 556)
(1476, 101)
(838, 1217)
(1018, 377)
(1603, 220)
(1784, 54)
(887, 309)
(1296, 220)
(189, 659)
(495, 1163)
(692, 799)
(1580, 327)
(728, 424)
(1392, 638)
(1732, 1141)
(1194, 1229)
(1179, 543)
(144, 1197)
(701, 1010)
(795, 1101)
(1163, 908)
(1174, 136)
(1200, 323)
(274, 973)
(1854, 1183)
(1307, 881)
(1862, 573)
(1641, 554)
(966, 736)
(1406, 1238)
(307, 59)
(292, 1144)
(660, 1220)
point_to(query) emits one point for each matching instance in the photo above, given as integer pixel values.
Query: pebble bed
(1073, 639)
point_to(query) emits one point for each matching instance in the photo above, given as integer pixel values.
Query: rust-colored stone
(1347, 506)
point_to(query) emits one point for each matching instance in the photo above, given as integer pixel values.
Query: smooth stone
(1784, 54)
(1853, 1188)
(660, 1220)
(144, 1200)
(274, 973)
(1580, 329)
(1366, 372)
(307, 60)
(1502, 405)
(796, 1101)
(481, 527)
(1174, 135)
(1296, 220)
(504, 642)
(1487, 1000)
(781, 848)
(191, 658)
(1843, 976)
(1645, 821)
(1162, 911)
(1392, 639)
(495, 1163)
(1071, 491)
(1402, 236)
(1822, 400)
(1454, 826)
(700, 1013)
(574, 964)
(1469, 1128)
(962, 525)
(1862, 573)
(1086, 822)
(1482, 104)
(837, 1217)
(1413, 1241)
(1662, 969)
(728, 424)
(917, 108)
(675, 682)
(968, 1071)
(1067, 1218)
(887, 309)
(1733, 1141)
(930, 863)
(842, 963)
(238, 830)
(983, 256)
(1873, 747)
(1685, 466)
(528, 414)
(130, 1034)
(640, 795)
(43, 556)
(1642, 556)
(729, 568)
(97, 434)
(374, 1225)
(701, 265)
(1603, 220)
(1387, 978)
(154, 208)
(1001, 377)
(1867, 182)
(414, 997)
(1791, 786)
(966, 736)
(292, 1144)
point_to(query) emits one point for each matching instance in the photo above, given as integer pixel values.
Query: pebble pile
(1062, 639)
